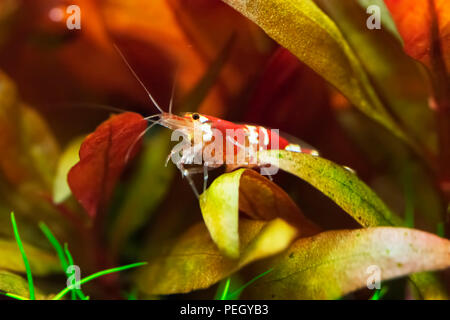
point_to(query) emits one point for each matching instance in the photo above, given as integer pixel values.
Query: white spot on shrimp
(293, 148)
(253, 136)
(266, 135)
(203, 119)
(207, 132)
(349, 169)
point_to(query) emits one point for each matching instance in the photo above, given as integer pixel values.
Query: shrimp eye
(195, 116)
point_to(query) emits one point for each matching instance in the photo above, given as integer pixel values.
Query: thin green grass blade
(224, 294)
(14, 296)
(56, 245)
(63, 292)
(75, 291)
(24, 257)
(64, 256)
(220, 288)
(379, 293)
(235, 294)
(70, 262)
(132, 295)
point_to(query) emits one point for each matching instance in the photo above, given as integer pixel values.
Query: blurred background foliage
(54, 82)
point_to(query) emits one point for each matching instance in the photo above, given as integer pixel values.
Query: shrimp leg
(205, 177)
(187, 173)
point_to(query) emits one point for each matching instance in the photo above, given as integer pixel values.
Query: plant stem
(441, 88)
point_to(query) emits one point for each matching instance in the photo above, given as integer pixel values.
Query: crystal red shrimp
(255, 137)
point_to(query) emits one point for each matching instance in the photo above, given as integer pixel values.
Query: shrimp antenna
(90, 105)
(171, 99)
(138, 79)
(173, 92)
(127, 157)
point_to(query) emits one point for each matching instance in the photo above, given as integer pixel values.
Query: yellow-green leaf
(39, 145)
(41, 262)
(220, 210)
(194, 262)
(70, 157)
(430, 286)
(338, 183)
(255, 195)
(397, 79)
(29, 150)
(335, 263)
(349, 192)
(306, 31)
(15, 284)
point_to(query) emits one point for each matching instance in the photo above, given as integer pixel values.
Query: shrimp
(201, 132)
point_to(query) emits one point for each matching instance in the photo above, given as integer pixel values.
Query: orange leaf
(415, 20)
(103, 156)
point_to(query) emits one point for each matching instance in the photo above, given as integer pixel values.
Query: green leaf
(350, 193)
(70, 157)
(302, 28)
(41, 262)
(397, 79)
(336, 182)
(255, 195)
(430, 286)
(194, 262)
(397, 162)
(335, 263)
(220, 210)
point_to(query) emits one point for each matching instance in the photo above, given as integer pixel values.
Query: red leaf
(294, 99)
(103, 157)
(288, 96)
(415, 21)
